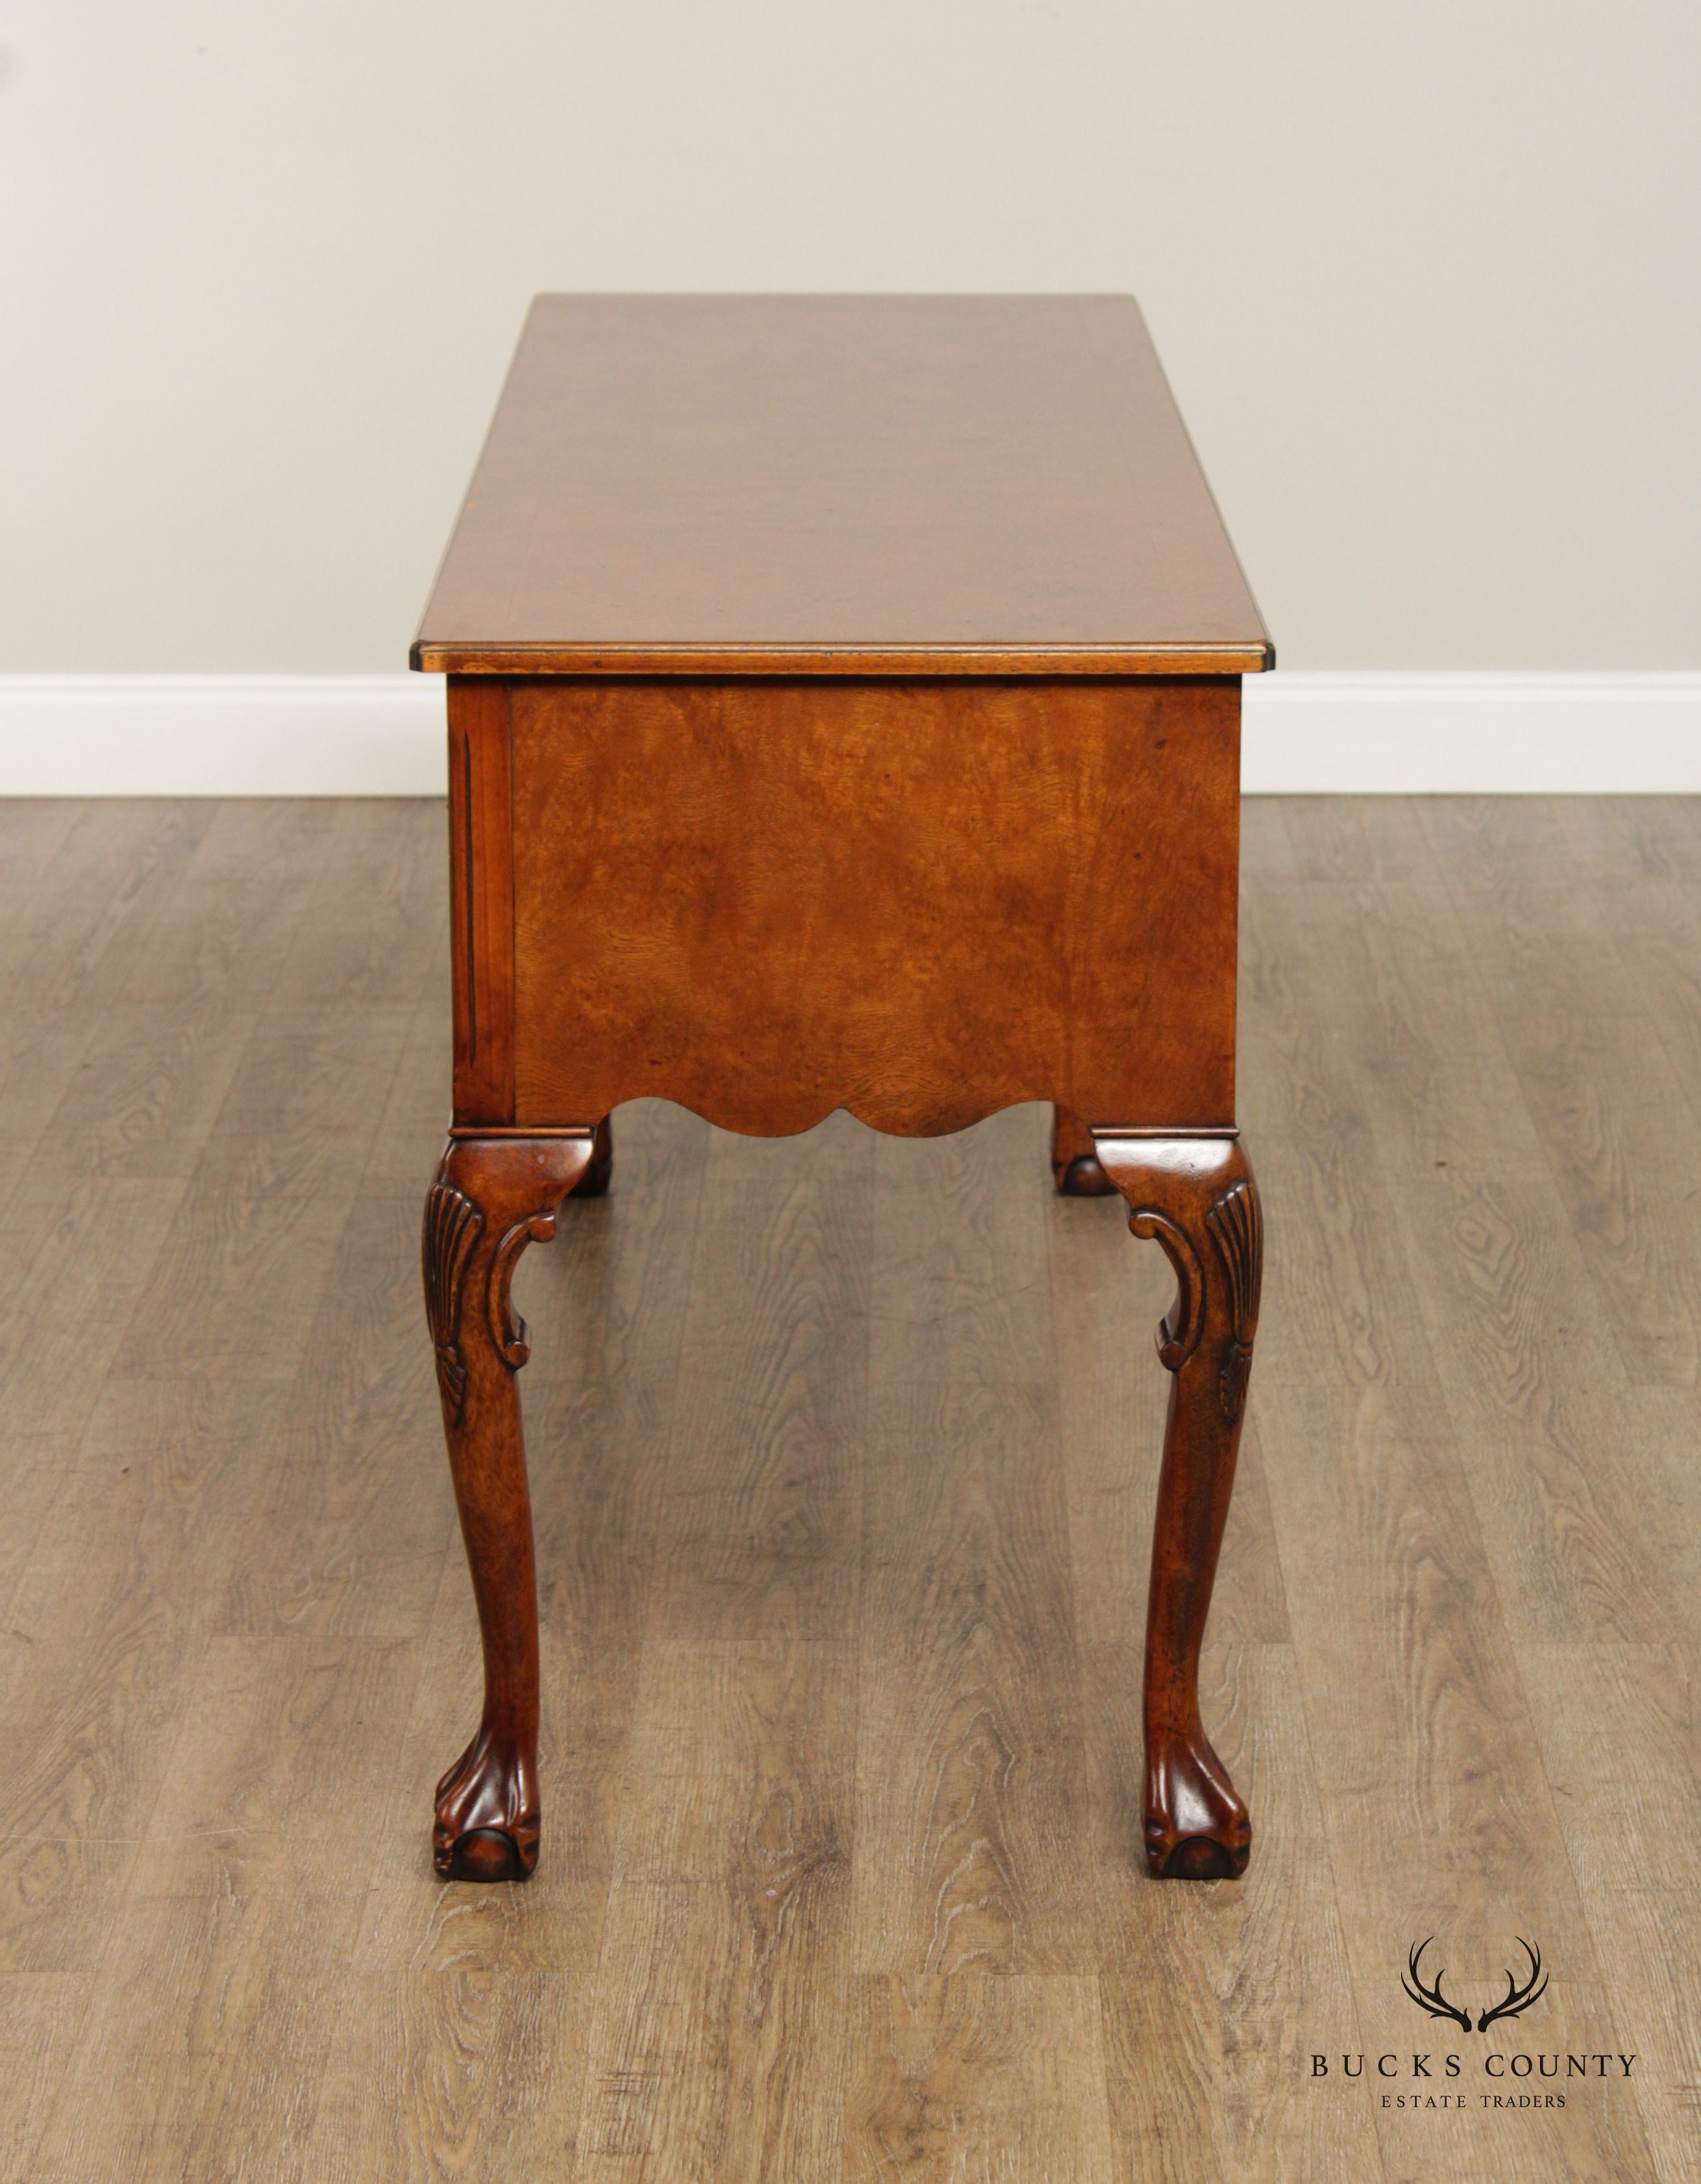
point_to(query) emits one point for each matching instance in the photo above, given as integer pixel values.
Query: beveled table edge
(467, 656)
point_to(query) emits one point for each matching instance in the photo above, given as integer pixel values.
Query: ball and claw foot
(486, 1824)
(1197, 1827)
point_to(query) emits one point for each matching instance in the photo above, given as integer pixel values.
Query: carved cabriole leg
(1074, 1169)
(490, 1198)
(1197, 1197)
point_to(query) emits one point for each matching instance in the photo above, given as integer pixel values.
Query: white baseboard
(222, 735)
(1478, 735)
(382, 735)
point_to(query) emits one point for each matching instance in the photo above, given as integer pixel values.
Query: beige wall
(1425, 278)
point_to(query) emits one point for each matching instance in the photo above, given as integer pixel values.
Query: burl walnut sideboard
(843, 711)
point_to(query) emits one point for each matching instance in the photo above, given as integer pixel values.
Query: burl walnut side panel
(921, 902)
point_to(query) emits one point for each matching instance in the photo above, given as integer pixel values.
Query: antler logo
(1518, 1998)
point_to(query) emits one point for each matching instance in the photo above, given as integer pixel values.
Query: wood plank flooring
(844, 1452)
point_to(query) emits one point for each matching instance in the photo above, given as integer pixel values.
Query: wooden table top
(845, 485)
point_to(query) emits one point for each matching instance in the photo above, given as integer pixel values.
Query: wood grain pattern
(1395, 1607)
(1618, 1732)
(451, 2070)
(921, 904)
(979, 2078)
(100, 1645)
(1209, 2076)
(41, 2015)
(284, 1750)
(759, 1524)
(72, 948)
(481, 901)
(845, 485)
(1598, 1086)
(971, 1835)
(719, 2038)
(1439, 1117)
(1451, 1659)
(177, 1972)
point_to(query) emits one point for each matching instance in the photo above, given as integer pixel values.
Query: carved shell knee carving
(1236, 1225)
(448, 1234)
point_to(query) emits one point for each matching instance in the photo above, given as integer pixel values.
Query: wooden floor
(844, 1452)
